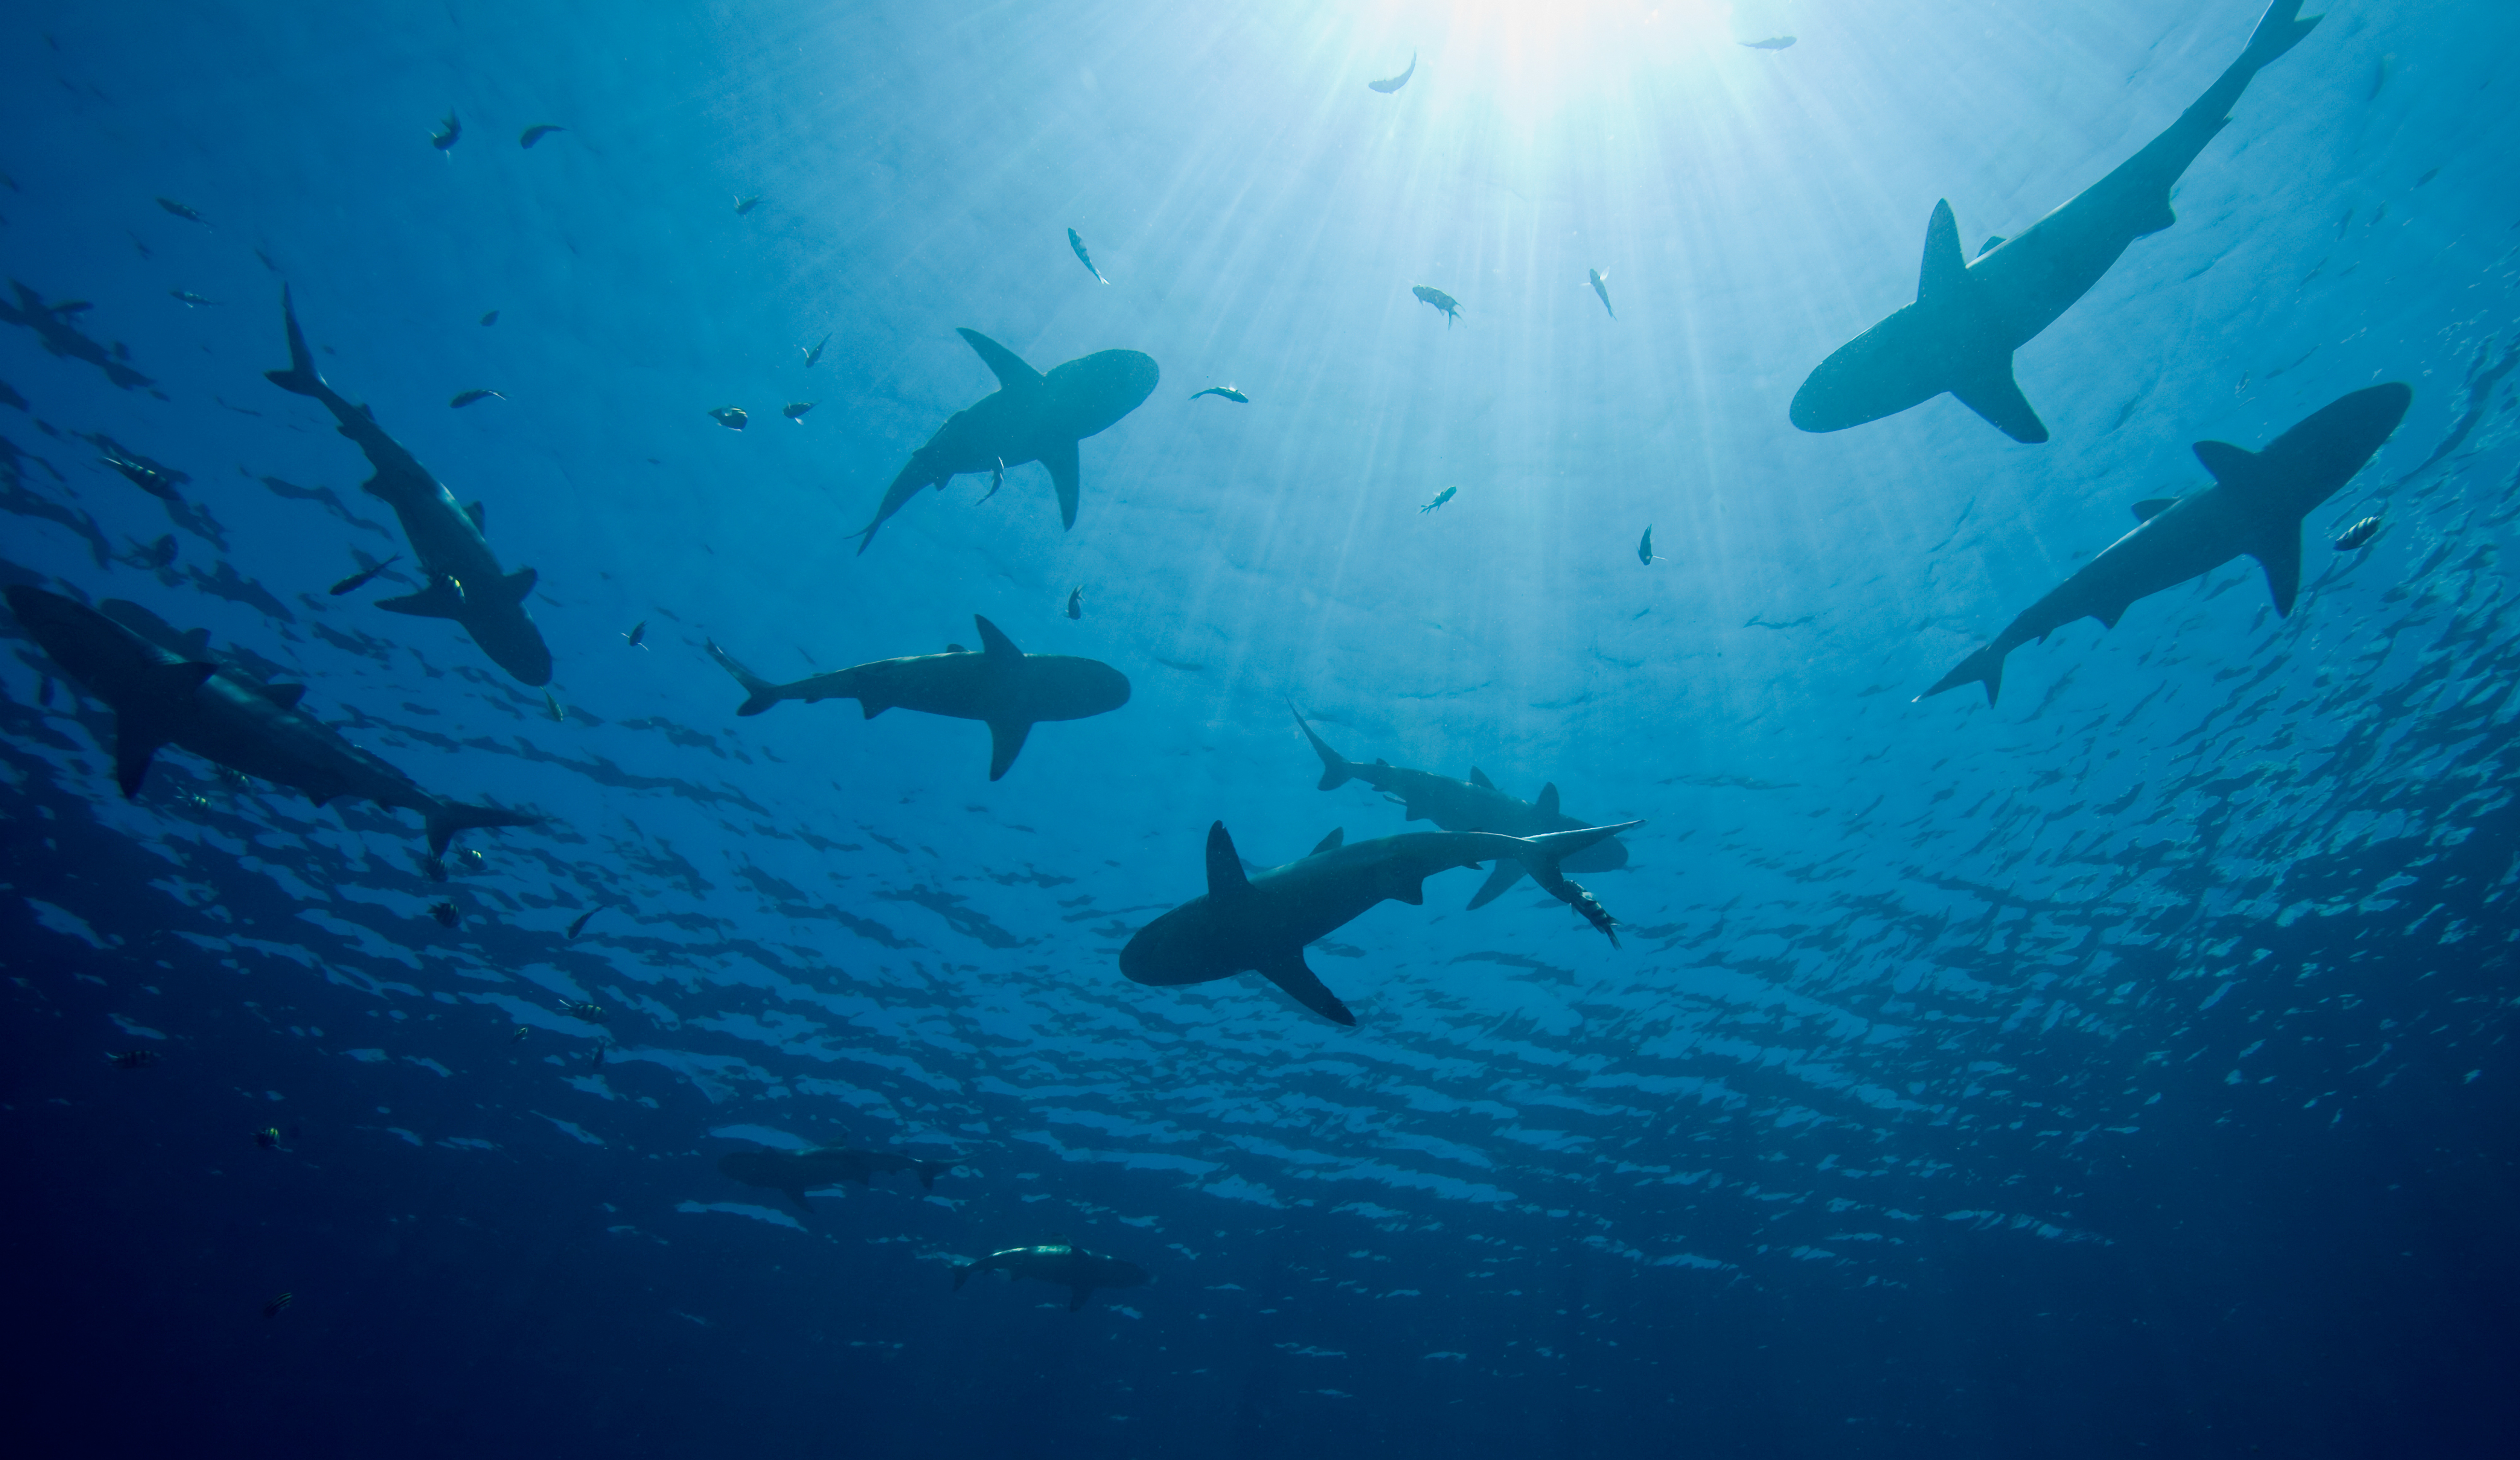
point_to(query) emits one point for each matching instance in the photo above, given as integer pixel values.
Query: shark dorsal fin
(1479, 778)
(2152, 507)
(1332, 842)
(2228, 462)
(480, 516)
(1547, 803)
(1945, 272)
(1225, 877)
(284, 695)
(1012, 371)
(995, 643)
(195, 641)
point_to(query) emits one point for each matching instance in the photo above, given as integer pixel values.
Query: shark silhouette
(1009, 690)
(1262, 922)
(463, 581)
(797, 1172)
(2255, 507)
(1032, 416)
(1054, 1262)
(161, 698)
(1970, 316)
(1471, 805)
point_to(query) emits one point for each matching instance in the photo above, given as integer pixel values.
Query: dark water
(2120, 1069)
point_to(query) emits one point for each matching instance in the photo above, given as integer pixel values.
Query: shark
(1262, 922)
(465, 581)
(1002, 686)
(1055, 1261)
(2255, 507)
(1471, 805)
(1031, 417)
(1971, 314)
(224, 715)
(797, 1172)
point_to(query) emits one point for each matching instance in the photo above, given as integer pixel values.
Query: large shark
(1970, 316)
(1471, 805)
(1032, 416)
(1001, 685)
(1072, 1267)
(1261, 923)
(797, 1172)
(2255, 507)
(463, 579)
(221, 714)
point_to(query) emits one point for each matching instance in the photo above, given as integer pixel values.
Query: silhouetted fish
(189, 297)
(1445, 304)
(133, 1058)
(363, 578)
(1084, 257)
(1076, 602)
(1390, 84)
(445, 914)
(637, 633)
(1771, 43)
(732, 417)
(1644, 547)
(446, 139)
(795, 410)
(745, 205)
(181, 212)
(534, 134)
(579, 926)
(814, 356)
(1228, 391)
(489, 319)
(1440, 498)
(2356, 536)
(1601, 287)
(464, 398)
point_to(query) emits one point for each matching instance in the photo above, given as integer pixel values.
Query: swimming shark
(797, 1172)
(1070, 1267)
(1971, 316)
(1262, 922)
(1001, 685)
(218, 712)
(464, 577)
(1471, 805)
(1032, 416)
(2255, 507)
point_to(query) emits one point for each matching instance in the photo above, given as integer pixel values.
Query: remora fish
(1390, 84)
(160, 699)
(1471, 805)
(1032, 416)
(1007, 689)
(1262, 923)
(1601, 287)
(797, 1172)
(363, 578)
(2254, 507)
(1445, 305)
(1970, 316)
(1084, 257)
(1070, 1267)
(465, 582)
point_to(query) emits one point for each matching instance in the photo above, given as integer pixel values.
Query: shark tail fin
(927, 1171)
(759, 693)
(446, 818)
(1336, 769)
(1986, 667)
(2279, 30)
(300, 376)
(963, 1274)
(1541, 855)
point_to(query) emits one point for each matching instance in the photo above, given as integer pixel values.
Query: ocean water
(2120, 1069)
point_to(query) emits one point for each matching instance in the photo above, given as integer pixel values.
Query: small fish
(189, 297)
(1227, 391)
(1084, 257)
(579, 926)
(591, 1012)
(522, 1031)
(470, 861)
(1440, 498)
(603, 1047)
(997, 478)
(133, 1058)
(364, 576)
(1601, 287)
(795, 410)
(436, 869)
(534, 134)
(181, 212)
(464, 398)
(269, 1138)
(2356, 536)
(489, 319)
(814, 356)
(1644, 547)
(1771, 43)
(637, 633)
(446, 139)
(732, 417)
(233, 778)
(744, 204)
(196, 802)
(1076, 602)
(1390, 84)
(279, 1304)
(445, 914)
(551, 706)
(155, 555)
(1445, 304)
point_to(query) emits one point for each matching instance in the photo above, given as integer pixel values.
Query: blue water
(2122, 1069)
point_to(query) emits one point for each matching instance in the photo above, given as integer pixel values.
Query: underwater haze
(2058, 985)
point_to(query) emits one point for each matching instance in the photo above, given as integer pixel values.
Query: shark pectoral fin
(798, 1195)
(2282, 560)
(1077, 1295)
(513, 587)
(1945, 270)
(1332, 842)
(1288, 972)
(1508, 872)
(442, 599)
(284, 695)
(1480, 777)
(1995, 395)
(1547, 806)
(133, 746)
(2152, 507)
(2225, 462)
(1008, 366)
(963, 1274)
(995, 643)
(1225, 879)
(151, 717)
(1061, 461)
(1006, 743)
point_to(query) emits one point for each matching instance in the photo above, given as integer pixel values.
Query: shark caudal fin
(447, 818)
(1336, 769)
(1541, 855)
(759, 693)
(300, 378)
(1986, 667)
(963, 1274)
(2279, 30)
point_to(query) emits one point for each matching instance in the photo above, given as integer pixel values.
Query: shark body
(1971, 316)
(463, 579)
(2255, 507)
(1031, 417)
(1072, 1267)
(797, 1172)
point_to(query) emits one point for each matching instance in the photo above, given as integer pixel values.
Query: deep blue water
(2121, 1069)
